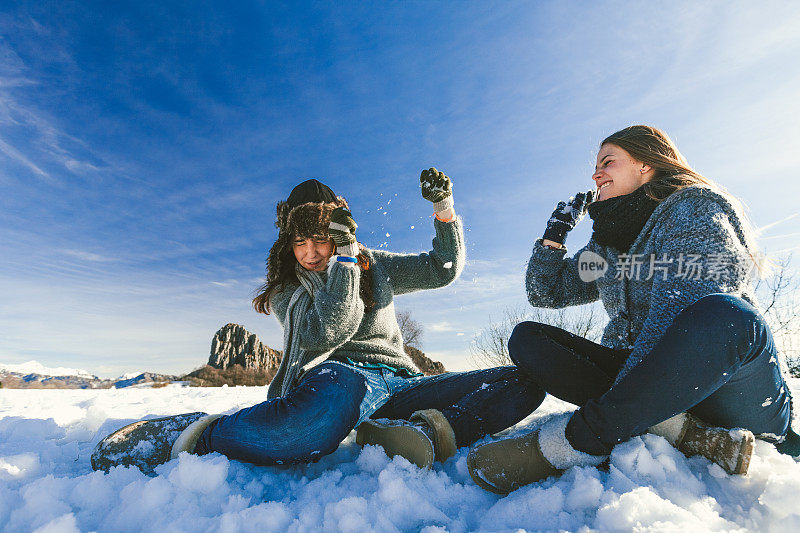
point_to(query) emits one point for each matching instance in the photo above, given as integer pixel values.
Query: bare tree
(779, 295)
(490, 346)
(410, 329)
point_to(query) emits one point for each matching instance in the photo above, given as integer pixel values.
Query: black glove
(436, 188)
(566, 215)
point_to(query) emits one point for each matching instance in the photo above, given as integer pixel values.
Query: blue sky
(144, 145)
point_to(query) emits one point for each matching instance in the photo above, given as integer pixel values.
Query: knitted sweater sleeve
(707, 257)
(553, 281)
(428, 270)
(336, 311)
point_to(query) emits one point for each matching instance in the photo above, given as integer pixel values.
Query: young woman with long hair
(685, 354)
(343, 363)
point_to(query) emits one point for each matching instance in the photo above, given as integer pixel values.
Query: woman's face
(617, 173)
(313, 252)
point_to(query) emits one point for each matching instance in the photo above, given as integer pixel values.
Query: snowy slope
(46, 437)
(35, 367)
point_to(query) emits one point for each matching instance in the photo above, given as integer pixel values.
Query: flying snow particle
(412, 227)
(388, 235)
(449, 264)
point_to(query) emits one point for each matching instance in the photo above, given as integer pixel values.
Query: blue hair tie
(346, 259)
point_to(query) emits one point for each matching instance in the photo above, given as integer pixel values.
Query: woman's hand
(342, 229)
(436, 188)
(566, 216)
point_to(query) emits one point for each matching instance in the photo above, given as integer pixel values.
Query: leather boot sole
(404, 440)
(144, 444)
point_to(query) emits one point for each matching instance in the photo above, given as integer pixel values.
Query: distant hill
(34, 375)
(35, 367)
(237, 357)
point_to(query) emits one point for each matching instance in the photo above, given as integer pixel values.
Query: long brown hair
(654, 147)
(306, 220)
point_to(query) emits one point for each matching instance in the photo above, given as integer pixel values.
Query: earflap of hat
(283, 211)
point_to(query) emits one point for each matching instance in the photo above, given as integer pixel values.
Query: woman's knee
(525, 342)
(328, 394)
(727, 313)
(304, 425)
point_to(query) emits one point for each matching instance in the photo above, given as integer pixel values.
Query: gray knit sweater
(337, 319)
(697, 228)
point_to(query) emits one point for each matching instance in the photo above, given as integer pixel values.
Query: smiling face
(313, 252)
(617, 173)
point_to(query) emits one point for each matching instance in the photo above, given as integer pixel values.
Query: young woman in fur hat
(685, 349)
(343, 361)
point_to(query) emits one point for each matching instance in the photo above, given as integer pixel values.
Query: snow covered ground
(46, 483)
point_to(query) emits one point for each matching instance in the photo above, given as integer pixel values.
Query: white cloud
(17, 156)
(88, 256)
(441, 327)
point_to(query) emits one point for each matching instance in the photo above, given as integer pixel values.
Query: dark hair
(306, 220)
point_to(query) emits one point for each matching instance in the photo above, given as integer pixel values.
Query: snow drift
(46, 483)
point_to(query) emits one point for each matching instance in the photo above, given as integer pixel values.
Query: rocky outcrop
(426, 365)
(234, 345)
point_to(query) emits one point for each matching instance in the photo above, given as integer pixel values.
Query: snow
(130, 375)
(35, 367)
(46, 483)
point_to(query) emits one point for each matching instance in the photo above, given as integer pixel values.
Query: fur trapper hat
(307, 211)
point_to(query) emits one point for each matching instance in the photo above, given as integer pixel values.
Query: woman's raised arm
(444, 263)
(551, 279)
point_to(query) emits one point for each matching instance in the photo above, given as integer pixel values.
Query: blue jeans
(717, 361)
(333, 398)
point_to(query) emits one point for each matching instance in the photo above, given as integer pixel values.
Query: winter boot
(149, 443)
(506, 465)
(425, 437)
(729, 448)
